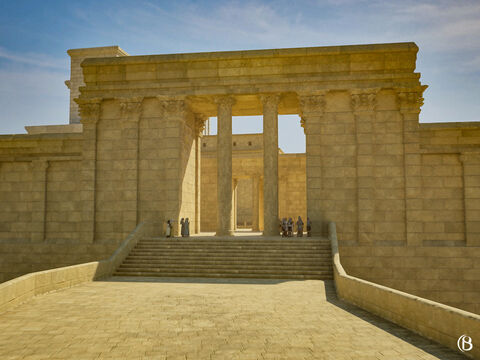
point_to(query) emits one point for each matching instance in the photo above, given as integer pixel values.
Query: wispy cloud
(35, 59)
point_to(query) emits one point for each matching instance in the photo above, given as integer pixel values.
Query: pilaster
(409, 104)
(131, 111)
(39, 199)
(312, 111)
(471, 186)
(364, 104)
(90, 110)
(174, 111)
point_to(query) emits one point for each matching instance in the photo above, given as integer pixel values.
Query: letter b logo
(464, 343)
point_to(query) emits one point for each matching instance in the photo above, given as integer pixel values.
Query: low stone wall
(21, 289)
(441, 323)
(448, 275)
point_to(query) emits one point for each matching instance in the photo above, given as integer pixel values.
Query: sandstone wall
(76, 74)
(292, 196)
(247, 165)
(449, 275)
(244, 203)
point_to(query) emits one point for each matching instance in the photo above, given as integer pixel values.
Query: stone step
(229, 276)
(245, 261)
(230, 256)
(125, 266)
(233, 247)
(229, 251)
(238, 257)
(223, 271)
(238, 242)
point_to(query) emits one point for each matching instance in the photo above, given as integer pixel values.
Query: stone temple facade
(405, 196)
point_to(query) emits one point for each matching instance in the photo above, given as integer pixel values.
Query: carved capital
(303, 124)
(410, 100)
(311, 104)
(89, 110)
(172, 106)
(131, 108)
(224, 101)
(364, 100)
(200, 121)
(269, 100)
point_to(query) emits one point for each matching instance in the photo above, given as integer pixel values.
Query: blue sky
(34, 37)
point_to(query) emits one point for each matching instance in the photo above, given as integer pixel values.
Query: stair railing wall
(441, 323)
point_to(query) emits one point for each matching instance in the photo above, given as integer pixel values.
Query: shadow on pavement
(433, 348)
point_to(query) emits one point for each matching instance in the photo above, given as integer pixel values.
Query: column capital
(364, 100)
(89, 110)
(410, 99)
(172, 104)
(270, 99)
(224, 100)
(311, 103)
(131, 108)
(303, 124)
(200, 121)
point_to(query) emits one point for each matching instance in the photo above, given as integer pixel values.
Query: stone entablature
(244, 74)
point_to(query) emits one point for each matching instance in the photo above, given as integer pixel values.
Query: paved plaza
(146, 318)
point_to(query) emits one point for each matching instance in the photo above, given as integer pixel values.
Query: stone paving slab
(155, 318)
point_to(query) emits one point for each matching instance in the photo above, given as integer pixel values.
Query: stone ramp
(230, 257)
(180, 318)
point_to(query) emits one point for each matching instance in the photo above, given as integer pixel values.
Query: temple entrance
(247, 172)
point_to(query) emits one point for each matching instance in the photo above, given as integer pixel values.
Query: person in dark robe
(299, 227)
(182, 230)
(187, 227)
(284, 227)
(309, 227)
(290, 227)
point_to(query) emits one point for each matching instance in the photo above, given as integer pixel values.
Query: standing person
(168, 231)
(187, 227)
(309, 227)
(284, 227)
(290, 227)
(299, 227)
(182, 223)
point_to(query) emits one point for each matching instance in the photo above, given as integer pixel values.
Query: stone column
(90, 114)
(409, 102)
(39, 199)
(200, 121)
(260, 205)
(363, 105)
(270, 163)
(312, 111)
(131, 110)
(471, 183)
(255, 203)
(224, 165)
(235, 203)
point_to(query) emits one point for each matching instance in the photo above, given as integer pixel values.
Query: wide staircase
(234, 257)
